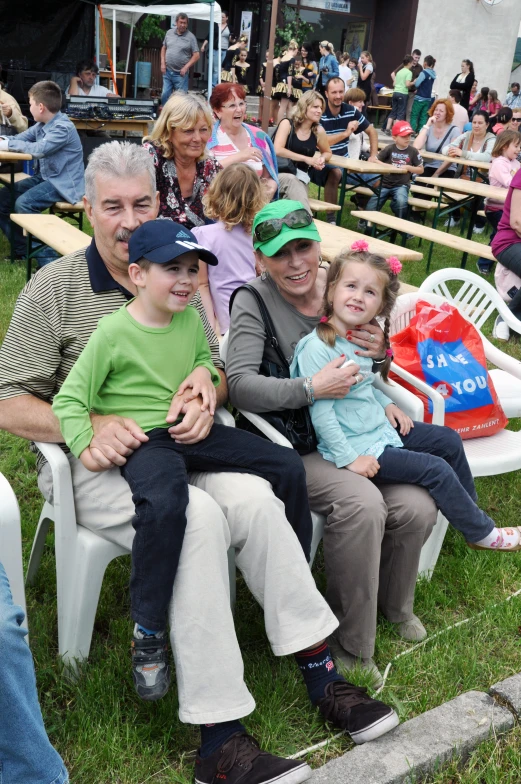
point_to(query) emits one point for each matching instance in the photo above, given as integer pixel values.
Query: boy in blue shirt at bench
(56, 148)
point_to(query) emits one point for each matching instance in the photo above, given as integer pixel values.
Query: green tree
(294, 27)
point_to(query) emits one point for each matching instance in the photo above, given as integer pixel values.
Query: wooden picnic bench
(335, 238)
(323, 206)
(401, 226)
(52, 231)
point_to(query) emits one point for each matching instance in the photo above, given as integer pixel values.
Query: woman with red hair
(234, 141)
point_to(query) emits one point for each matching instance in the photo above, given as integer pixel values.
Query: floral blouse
(172, 204)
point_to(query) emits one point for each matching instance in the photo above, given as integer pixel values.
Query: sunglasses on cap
(268, 229)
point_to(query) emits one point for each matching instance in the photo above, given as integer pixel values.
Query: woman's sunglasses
(268, 229)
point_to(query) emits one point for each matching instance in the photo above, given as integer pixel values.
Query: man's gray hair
(181, 15)
(118, 159)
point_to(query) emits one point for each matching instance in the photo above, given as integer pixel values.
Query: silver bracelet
(309, 391)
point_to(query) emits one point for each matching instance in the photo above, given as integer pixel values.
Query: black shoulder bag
(294, 424)
(286, 165)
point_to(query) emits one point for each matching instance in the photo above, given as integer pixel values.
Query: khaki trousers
(290, 187)
(372, 542)
(225, 510)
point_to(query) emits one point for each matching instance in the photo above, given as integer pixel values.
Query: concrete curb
(420, 746)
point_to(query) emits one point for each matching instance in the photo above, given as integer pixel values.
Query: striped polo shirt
(54, 317)
(332, 123)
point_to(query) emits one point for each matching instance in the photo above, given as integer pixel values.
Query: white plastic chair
(487, 456)
(478, 301)
(82, 557)
(11, 542)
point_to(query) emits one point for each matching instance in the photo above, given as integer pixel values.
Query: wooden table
(356, 168)
(335, 238)
(139, 126)
(119, 75)
(424, 232)
(473, 193)
(52, 231)
(10, 158)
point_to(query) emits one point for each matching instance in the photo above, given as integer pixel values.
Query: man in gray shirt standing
(179, 52)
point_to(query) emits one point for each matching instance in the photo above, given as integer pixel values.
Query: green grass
(108, 736)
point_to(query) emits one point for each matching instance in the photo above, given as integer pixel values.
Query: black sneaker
(240, 761)
(150, 666)
(349, 707)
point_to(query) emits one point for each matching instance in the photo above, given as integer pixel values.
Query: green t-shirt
(403, 75)
(132, 371)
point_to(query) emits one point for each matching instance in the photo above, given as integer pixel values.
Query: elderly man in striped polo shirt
(54, 316)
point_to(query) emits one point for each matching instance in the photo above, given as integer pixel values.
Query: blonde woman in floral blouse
(183, 172)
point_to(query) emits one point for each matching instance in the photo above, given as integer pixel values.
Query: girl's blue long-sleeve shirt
(351, 426)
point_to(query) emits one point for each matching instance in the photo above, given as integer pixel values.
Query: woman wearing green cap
(373, 535)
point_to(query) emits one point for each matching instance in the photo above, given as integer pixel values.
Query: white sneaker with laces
(478, 229)
(501, 330)
(450, 223)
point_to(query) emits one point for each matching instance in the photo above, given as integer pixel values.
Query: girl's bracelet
(309, 391)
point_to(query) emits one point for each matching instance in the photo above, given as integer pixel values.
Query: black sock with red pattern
(318, 670)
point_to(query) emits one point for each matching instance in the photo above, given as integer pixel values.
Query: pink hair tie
(395, 265)
(360, 246)
(324, 320)
(389, 353)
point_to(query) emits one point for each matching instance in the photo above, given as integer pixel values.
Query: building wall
(452, 30)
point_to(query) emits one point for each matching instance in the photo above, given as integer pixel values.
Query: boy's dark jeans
(157, 473)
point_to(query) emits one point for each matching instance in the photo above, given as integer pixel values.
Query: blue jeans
(433, 457)
(26, 754)
(398, 106)
(157, 473)
(398, 195)
(32, 195)
(173, 80)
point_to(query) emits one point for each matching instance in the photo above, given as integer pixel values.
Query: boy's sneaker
(501, 330)
(483, 269)
(478, 229)
(241, 761)
(451, 223)
(150, 666)
(348, 707)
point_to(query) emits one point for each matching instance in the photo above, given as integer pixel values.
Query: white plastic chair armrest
(268, 430)
(501, 360)
(403, 398)
(223, 417)
(63, 494)
(438, 403)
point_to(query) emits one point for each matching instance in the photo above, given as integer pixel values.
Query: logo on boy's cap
(162, 240)
(402, 128)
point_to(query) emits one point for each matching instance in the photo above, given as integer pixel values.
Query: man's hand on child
(195, 425)
(365, 465)
(398, 418)
(115, 438)
(200, 384)
(89, 462)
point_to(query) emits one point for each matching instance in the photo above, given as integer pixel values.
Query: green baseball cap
(277, 210)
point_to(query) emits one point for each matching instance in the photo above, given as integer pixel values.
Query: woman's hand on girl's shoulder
(370, 338)
(398, 418)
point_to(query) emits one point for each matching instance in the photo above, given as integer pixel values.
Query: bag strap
(444, 138)
(271, 338)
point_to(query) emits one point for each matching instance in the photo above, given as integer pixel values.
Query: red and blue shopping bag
(440, 347)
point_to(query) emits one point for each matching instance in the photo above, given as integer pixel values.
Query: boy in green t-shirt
(402, 81)
(136, 360)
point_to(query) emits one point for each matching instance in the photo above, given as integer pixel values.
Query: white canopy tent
(130, 14)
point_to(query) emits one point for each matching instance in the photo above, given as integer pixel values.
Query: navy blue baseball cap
(162, 240)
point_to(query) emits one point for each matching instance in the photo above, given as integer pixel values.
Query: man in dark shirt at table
(339, 121)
